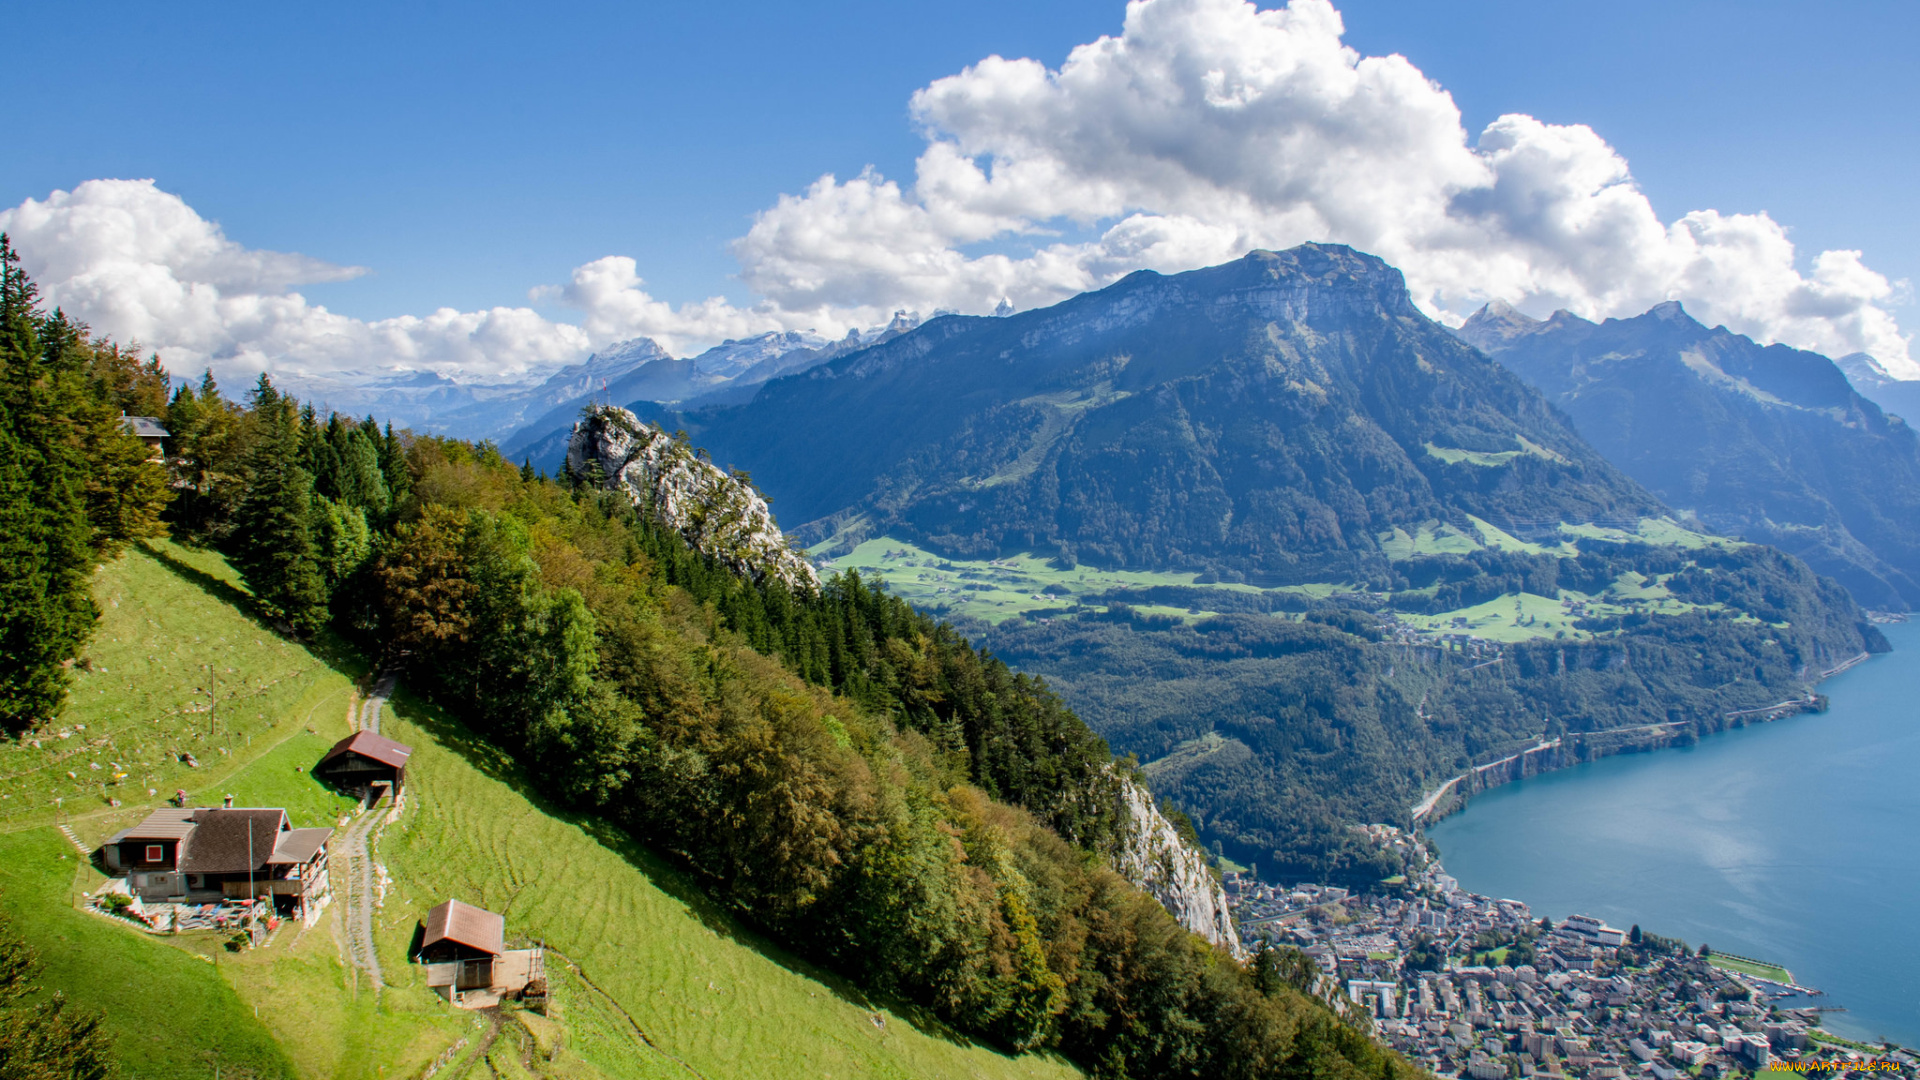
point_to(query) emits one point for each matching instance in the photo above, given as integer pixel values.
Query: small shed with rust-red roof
(365, 760)
(460, 931)
(461, 945)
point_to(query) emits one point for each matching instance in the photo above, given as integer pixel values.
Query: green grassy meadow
(174, 1005)
(638, 949)
(170, 1011)
(994, 590)
(1752, 967)
(1523, 447)
(171, 617)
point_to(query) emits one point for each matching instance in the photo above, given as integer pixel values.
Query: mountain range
(634, 370)
(1274, 418)
(1768, 443)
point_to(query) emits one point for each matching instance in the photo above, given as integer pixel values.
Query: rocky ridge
(1155, 858)
(719, 513)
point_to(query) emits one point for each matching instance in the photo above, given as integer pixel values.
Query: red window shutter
(156, 853)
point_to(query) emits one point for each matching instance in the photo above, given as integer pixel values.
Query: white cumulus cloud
(138, 264)
(1204, 129)
(1208, 127)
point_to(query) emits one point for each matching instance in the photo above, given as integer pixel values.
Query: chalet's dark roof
(464, 924)
(298, 846)
(145, 427)
(369, 745)
(168, 824)
(219, 841)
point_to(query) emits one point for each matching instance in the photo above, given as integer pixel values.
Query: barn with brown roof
(465, 952)
(366, 761)
(458, 931)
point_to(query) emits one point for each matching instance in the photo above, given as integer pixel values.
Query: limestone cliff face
(1155, 858)
(720, 514)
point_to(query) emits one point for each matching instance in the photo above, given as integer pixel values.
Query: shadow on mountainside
(326, 647)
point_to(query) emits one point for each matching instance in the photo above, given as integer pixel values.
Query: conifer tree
(46, 612)
(124, 488)
(273, 533)
(349, 471)
(207, 451)
(394, 469)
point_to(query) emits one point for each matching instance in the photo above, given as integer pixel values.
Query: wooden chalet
(365, 762)
(204, 854)
(465, 952)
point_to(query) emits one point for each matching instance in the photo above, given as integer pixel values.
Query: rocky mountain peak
(720, 513)
(1496, 325)
(1298, 400)
(1669, 311)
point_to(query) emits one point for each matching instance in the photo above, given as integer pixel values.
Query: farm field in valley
(1026, 585)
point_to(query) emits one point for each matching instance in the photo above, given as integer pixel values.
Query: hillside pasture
(693, 989)
(174, 621)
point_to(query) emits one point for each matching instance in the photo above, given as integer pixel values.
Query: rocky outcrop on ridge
(719, 513)
(1154, 857)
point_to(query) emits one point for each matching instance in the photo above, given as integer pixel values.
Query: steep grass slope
(174, 622)
(706, 992)
(646, 945)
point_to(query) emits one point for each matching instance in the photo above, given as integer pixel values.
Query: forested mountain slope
(1768, 443)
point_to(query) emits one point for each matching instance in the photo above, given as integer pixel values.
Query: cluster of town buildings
(1586, 1003)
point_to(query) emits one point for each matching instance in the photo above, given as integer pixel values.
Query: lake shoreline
(1779, 839)
(1580, 748)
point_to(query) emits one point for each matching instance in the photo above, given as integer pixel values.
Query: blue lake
(1793, 842)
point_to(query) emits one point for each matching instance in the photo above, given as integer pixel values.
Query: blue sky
(465, 154)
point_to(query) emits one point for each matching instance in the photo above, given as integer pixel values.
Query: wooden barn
(365, 762)
(465, 952)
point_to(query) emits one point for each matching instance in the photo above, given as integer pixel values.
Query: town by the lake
(1477, 986)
